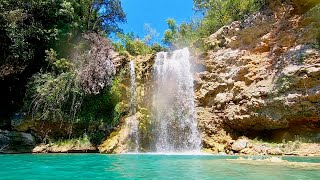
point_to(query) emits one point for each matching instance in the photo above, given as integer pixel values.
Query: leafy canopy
(29, 27)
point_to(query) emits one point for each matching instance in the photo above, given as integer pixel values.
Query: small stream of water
(132, 121)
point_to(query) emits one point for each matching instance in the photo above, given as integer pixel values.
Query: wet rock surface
(12, 142)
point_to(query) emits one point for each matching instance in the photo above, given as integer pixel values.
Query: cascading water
(132, 121)
(133, 87)
(174, 109)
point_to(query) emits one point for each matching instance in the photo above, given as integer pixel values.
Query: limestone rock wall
(262, 78)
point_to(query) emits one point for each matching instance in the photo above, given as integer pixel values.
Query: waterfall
(132, 121)
(173, 101)
(133, 87)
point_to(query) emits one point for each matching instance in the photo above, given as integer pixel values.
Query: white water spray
(132, 121)
(133, 87)
(174, 109)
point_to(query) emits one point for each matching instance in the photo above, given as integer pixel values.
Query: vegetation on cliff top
(216, 13)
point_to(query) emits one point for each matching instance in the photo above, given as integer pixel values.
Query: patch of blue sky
(145, 16)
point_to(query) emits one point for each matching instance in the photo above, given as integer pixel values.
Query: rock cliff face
(262, 78)
(119, 141)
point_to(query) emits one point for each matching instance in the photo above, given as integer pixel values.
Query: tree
(30, 27)
(170, 34)
(178, 36)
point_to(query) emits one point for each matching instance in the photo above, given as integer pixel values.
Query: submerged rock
(276, 161)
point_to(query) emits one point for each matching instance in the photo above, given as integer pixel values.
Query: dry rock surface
(262, 80)
(70, 148)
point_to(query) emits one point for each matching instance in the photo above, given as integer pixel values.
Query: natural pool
(148, 166)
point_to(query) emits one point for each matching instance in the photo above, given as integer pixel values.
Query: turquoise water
(97, 166)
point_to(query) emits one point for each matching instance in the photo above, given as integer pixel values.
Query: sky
(154, 13)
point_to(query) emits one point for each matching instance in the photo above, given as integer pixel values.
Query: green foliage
(54, 97)
(102, 110)
(117, 92)
(128, 42)
(136, 46)
(57, 97)
(217, 13)
(172, 25)
(29, 27)
(58, 65)
(222, 12)
(99, 108)
(64, 93)
(157, 47)
(75, 142)
(171, 33)
(180, 36)
(283, 83)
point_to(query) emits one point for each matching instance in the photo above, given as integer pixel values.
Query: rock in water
(16, 142)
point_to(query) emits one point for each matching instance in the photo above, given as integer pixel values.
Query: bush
(101, 112)
(78, 92)
(135, 46)
(97, 70)
(54, 97)
(217, 13)
(180, 36)
(221, 12)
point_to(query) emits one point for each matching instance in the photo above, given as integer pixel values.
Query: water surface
(147, 166)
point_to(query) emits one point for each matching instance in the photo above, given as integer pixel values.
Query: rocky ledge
(68, 148)
(245, 146)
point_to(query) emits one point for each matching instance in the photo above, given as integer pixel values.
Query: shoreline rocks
(51, 148)
(13, 142)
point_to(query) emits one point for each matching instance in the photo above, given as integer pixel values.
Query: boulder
(239, 145)
(275, 151)
(12, 142)
(67, 148)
